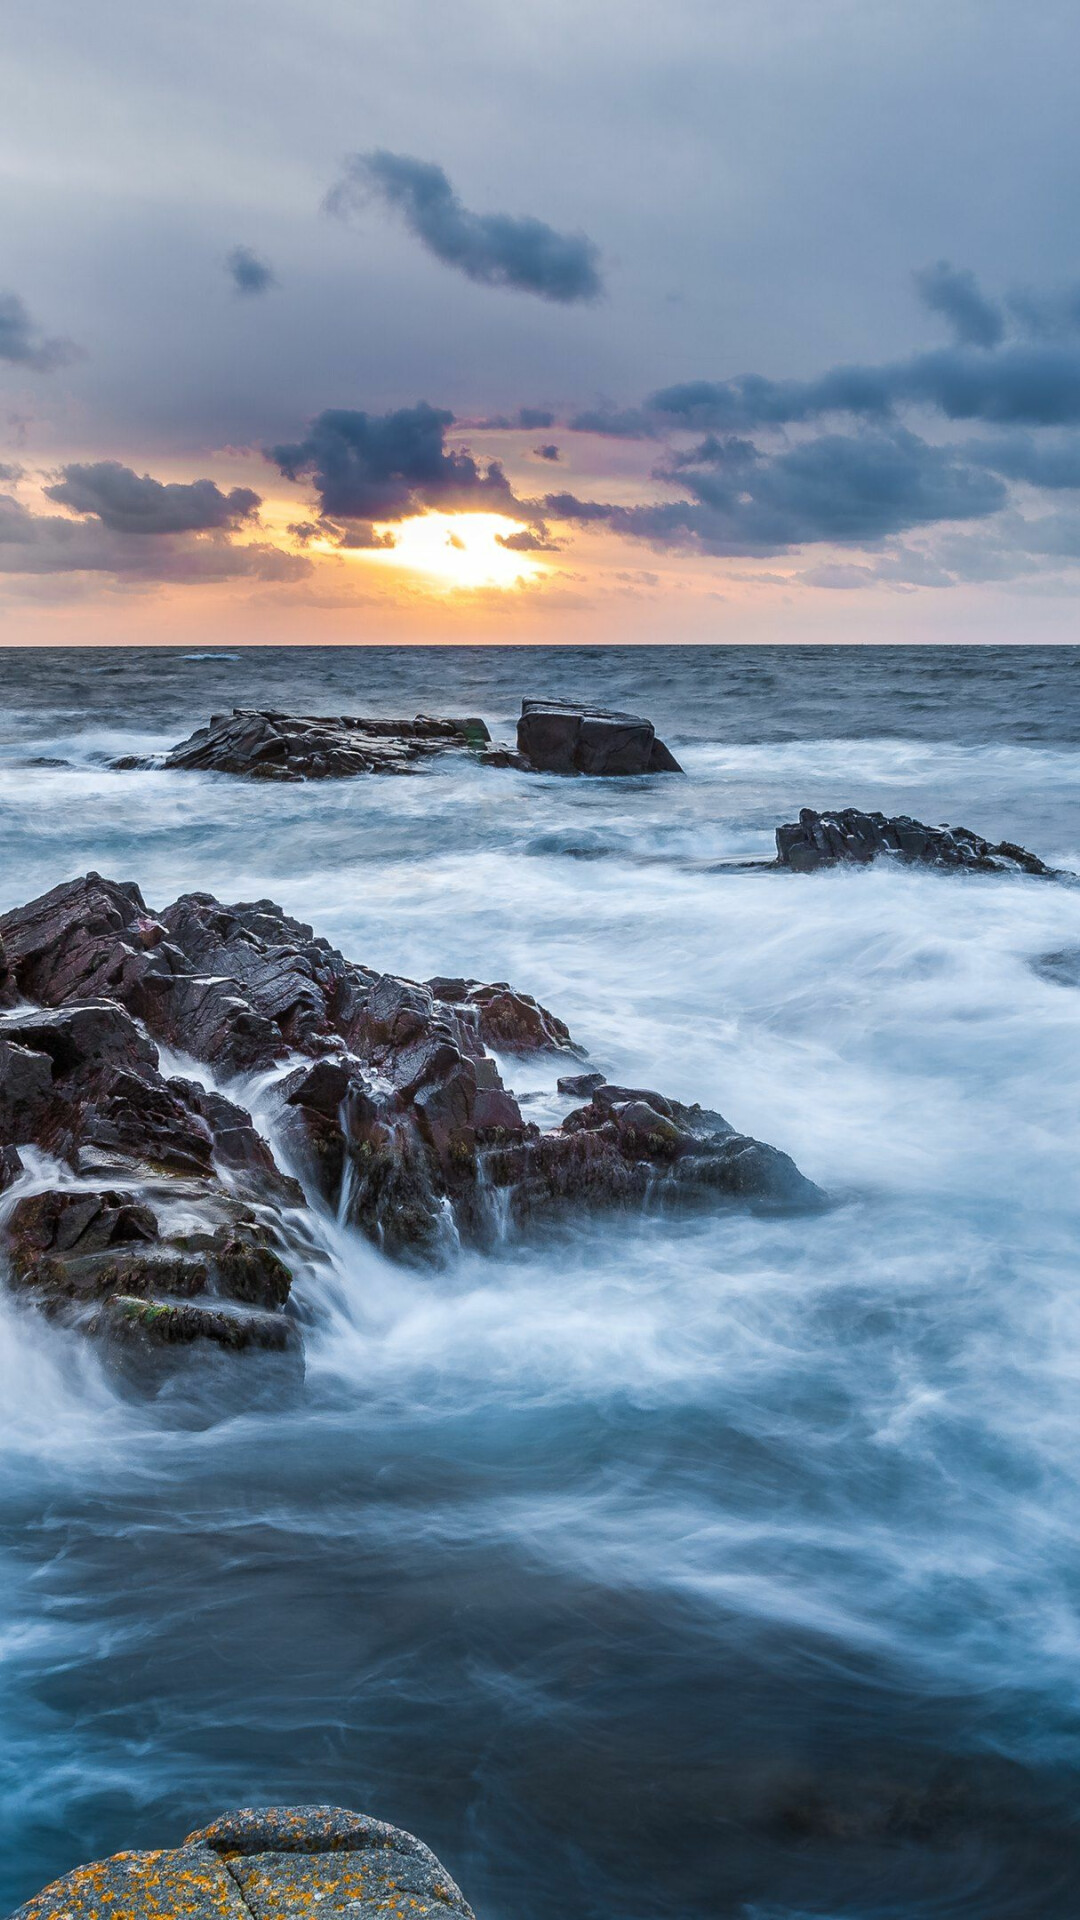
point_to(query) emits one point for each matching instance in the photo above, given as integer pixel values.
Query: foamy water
(714, 1567)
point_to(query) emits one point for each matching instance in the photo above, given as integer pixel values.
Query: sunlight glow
(455, 549)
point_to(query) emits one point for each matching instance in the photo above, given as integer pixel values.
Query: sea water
(703, 1567)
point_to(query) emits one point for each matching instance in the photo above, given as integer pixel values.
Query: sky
(729, 320)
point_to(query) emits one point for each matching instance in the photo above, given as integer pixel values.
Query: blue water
(697, 1569)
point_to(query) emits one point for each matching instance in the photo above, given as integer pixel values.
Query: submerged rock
(386, 1096)
(265, 745)
(285, 1862)
(557, 736)
(851, 837)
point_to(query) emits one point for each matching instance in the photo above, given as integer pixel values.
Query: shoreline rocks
(558, 736)
(553, 736)
(385, 1093)
(851, 837)
(286, 1861)
(262, 744)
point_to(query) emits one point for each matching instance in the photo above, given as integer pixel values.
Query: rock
(393, 1110)
(167, 1323)
(11, 1167)
(273, 1863)
(556, 736)
(265, 745)
(507, 1021)
(1062, 968)
(70, 1246)
(855, 838)
(580, 1084)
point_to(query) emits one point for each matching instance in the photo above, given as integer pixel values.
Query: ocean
(711, 1568)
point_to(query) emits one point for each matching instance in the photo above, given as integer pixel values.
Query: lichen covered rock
(269, 1863)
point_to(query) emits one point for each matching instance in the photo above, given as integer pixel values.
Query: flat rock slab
(271, 1863)
(261, 744)
(555, 736)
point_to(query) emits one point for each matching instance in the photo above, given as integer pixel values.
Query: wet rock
(580, 1084)
(11, 1167)
(70, 1246)
(1062, 968)
(264, 745)
(628, 1146)
(396, 1114)
(274, 1863)
(851, 837)
(556, 736)
(171, 1323)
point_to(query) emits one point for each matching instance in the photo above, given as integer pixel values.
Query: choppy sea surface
(690, 1569)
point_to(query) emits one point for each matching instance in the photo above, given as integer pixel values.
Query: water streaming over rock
(674, 1566)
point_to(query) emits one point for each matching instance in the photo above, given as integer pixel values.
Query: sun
(456, 549)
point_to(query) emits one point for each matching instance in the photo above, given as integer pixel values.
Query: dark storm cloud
(955, 293)
(846, 489)
(39, 544)
(128, 502)
(248, 273)
(496, 249)
(615, 423)
(1021, 384)
(386, 466)
(1053, 465)
(528, 540)
(535, 419)
(23, 343)
(1053, 316)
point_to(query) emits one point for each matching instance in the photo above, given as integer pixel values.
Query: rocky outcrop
(557, 736)
(266, 1863)
(386, 1096)
(854, 838)
(264, 745)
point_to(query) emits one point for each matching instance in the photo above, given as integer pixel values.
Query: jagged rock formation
(829, 839)
(556, 736)
(265, 745)
(267, 1863)
(395, 1113)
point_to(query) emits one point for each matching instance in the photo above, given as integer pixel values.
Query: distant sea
(674, 1569)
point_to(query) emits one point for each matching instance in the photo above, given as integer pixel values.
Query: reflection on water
(708, 1568)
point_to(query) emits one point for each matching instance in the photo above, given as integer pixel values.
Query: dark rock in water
(580, 1084)
(168, 1323)
(264, 745)
(276, 1863)
(1062, 968)
(395, 1111)
(855, 838)
(10, 1167)
(555, 736)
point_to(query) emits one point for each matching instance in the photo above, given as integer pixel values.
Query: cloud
(128, 502)
(844, 489)
(528, 540)
(388, 466)
(23, 343)
(41, 544)
(547, 452)
(615, 423)
(955, 293)
(11, 473)
(535, 419)
(249, 274)
(1022, 384)
(495, 249)
(1019, 456)
(1051, 316)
